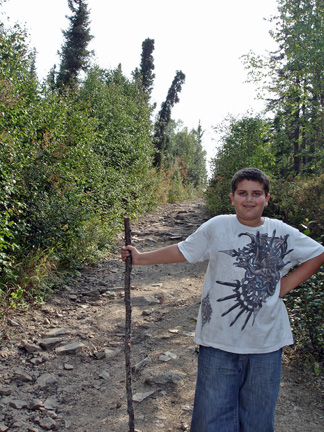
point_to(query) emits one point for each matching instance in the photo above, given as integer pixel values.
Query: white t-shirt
(241, 311)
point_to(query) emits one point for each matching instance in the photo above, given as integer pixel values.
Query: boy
(242, 323)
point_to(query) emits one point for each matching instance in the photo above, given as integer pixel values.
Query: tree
(242, 142)
(145, 73)
(74, 54)
(185, 150)
(295, 81)
(164, 115)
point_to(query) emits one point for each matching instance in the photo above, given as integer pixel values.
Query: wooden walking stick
(128, 329)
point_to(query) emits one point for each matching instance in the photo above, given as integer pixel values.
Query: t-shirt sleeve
(303, 247)
(196, 247)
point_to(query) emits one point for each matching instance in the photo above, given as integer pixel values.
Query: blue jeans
(236, 392)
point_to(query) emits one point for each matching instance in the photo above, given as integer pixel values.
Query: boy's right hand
(127, 251)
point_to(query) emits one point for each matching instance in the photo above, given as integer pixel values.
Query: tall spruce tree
(296, 85)
(164, 115)
(145, 73)
(74, 54)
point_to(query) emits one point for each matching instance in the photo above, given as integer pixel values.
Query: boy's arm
(302, 273)
(167, 255)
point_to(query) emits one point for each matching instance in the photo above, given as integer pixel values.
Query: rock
(147, 312)
(36, 361)
(18, 404)
(30, 347)
(35, 404)
(13, 323)
(141, 364)
(22, 376)
(99, 355)
(167, 356)
(51, 404)
(73, 348)
(68, 366)
(47, 424)
(104, 375)
(19, 425)
(164, 378)
(5, 391)
(56, 333)
(46, 380)
(144, 301)
(111, 353)
(6, 400)
(3, 427)
(139, 397)
(50, 343)
(93, 293)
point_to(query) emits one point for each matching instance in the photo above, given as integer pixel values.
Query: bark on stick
(128, 329)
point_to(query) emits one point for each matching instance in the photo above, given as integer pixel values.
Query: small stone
(51, 404)
(147, 312)
(56, 333)
(50, 343)
(167, 356)
(5, 391)
(165, 378)
(141, 364)
(47, 424)
(22, 376)
(68, 366)
(18, 404)
(36, 361)
(31, 348)
(3, 427)
(73, 348)
(36, 404)
(46, 380)
(13, 323)
(144, 301)
(104, 375)
(111, 353)
(99, 355)
(175, 331)
(139, 397)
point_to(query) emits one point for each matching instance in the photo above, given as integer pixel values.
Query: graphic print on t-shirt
(262, 259)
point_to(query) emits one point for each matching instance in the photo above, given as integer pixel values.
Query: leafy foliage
(185, 160)
(73, 162)
(243, 142)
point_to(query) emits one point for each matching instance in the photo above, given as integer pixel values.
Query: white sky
(205, 39)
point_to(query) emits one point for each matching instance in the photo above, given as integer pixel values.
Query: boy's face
(249, 201)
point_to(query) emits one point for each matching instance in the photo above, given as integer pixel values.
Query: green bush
(306, 310)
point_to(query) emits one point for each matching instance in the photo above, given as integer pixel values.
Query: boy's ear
(232, 198)
(267, 200)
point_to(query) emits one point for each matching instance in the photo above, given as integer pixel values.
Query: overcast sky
(204, 39)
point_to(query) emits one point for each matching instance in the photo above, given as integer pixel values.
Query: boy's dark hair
(251, 174)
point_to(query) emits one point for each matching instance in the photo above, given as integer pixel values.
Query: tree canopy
(74, 52)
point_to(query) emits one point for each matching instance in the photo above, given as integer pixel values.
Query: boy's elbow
(321, 259)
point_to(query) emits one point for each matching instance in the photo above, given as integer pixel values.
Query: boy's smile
(249, 201)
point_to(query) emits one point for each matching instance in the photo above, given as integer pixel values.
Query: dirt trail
(62, 365)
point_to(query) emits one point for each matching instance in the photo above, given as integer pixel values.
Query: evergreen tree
(74, 54)
(145, 74)
(164, 115)
(294, 76)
